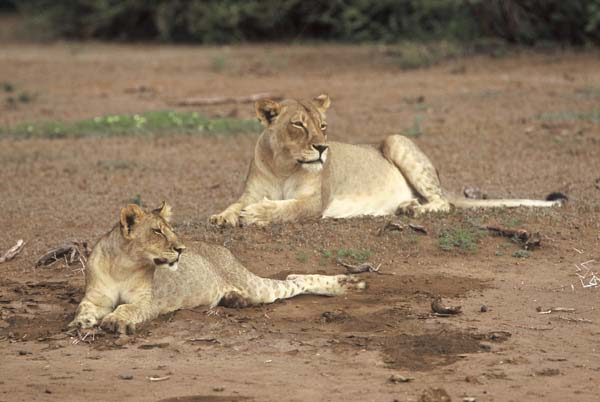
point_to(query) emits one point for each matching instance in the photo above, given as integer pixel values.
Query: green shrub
(220, 21)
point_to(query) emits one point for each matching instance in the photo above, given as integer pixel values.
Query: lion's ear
(322, 102)
(130, 215)
(267, 111)
(165, 211)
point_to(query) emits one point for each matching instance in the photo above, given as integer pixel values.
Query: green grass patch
(461, 239)
(149, 123)
(415, 130)
(588, 92)
(357, 255)
(521, 254)
(592, 115)
(302, 257)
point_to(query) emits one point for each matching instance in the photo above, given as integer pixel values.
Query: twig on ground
(218, 100)
(397, 378)
(417, 228)
(531, 328)
(156, 379)
(529, 241)
(570, 319)
(359, 269)
(588, 278)
(555, 310)
(399, 227)
(444, 311)
(13, 251)
(71, 252)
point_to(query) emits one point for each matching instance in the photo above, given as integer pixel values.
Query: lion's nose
(320, 148)
(179, 248)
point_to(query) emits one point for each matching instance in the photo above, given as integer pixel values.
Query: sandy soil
(483, 125)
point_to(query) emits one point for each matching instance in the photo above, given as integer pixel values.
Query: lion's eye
(323, 126)
(157, 231)
(298, 124)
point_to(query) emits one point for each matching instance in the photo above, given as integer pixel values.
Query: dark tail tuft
(556, 196)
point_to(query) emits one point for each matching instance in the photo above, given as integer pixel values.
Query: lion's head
(296, 131)
(149, 237)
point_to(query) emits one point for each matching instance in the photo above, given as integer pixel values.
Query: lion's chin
(314, 167)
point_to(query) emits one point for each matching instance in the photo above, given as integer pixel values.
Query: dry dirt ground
(518, 126)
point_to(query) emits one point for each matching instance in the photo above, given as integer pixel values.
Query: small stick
(526, 239)
(359, 269)
(555, 310)
(13, 251)
(218, 100)
(156, 379)
(585, 320)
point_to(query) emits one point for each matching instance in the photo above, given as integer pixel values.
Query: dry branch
(358, 269)
(219, 100)
(13, 251)
(527, 240)
(444, 311)
(71, 252)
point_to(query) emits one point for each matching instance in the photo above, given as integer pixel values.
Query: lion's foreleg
(269, 211)
(92, 308)
(126, 317)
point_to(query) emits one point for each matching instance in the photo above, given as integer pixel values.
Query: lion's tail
(552, 200)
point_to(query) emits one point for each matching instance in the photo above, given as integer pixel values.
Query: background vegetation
(224, 21)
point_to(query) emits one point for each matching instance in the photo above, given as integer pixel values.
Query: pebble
(125, 376)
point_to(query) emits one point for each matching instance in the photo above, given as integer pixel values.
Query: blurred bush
(221, 21)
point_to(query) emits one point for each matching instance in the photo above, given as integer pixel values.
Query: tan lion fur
(343, 180)
(140, 270)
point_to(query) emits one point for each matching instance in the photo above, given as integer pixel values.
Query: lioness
(140, 270)
(296, 173)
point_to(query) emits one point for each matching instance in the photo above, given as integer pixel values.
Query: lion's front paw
(83, 322)
(114, 323)
(435, 207)
(408, 208)
(413, 208)
(225, 219)
(260, 214)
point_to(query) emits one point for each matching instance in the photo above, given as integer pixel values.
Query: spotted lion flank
(140, 269)
(297, 173)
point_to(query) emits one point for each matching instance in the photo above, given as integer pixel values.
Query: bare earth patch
(521, 126)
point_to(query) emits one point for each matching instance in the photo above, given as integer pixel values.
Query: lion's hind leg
(418, 170)
(326, 285)
(264, 290)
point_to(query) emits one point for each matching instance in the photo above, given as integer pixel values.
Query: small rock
(472, 379)
(218, 389)
(483, 308)
(469, 399)
(397, 378)
(23, 352)
(548, 372)
(485, 347)
(435, 395)
(125, 376)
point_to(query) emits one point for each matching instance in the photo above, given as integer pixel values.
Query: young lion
(297, 173)
(140, 270)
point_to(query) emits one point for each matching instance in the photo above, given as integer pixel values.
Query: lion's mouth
(164, 261)
(318, 160)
